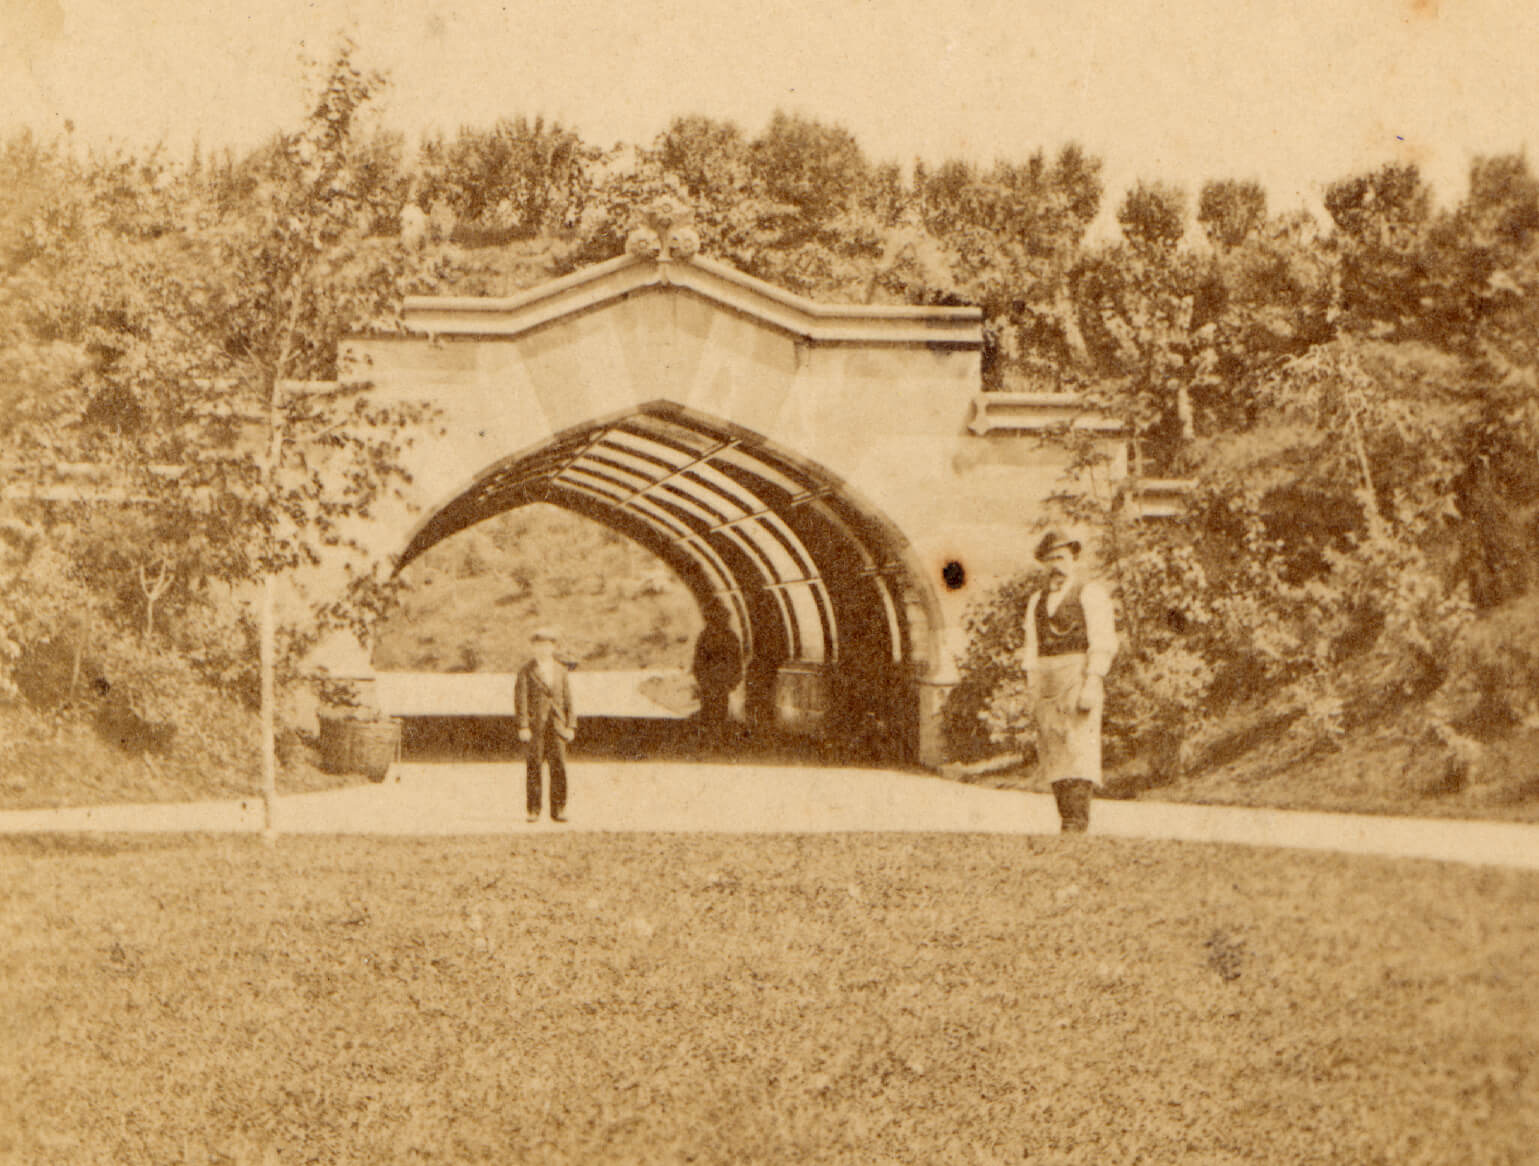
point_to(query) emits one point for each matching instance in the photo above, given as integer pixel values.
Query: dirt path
(487, 798)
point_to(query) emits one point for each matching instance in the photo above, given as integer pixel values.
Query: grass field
(856, 999)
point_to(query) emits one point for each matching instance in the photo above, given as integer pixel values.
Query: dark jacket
(536, 705)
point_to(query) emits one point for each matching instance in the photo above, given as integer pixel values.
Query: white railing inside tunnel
(490, 694)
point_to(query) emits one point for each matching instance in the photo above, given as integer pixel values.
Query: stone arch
(837, 623)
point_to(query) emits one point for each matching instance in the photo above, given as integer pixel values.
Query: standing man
(718, 668)
(1071, 637)
(542, 701)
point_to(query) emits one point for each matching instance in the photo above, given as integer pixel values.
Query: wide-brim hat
(545, 634)
(1054, 539)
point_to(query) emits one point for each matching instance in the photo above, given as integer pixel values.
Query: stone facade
(831, 476)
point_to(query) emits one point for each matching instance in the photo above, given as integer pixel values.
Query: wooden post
(269, 629)
(269, 636)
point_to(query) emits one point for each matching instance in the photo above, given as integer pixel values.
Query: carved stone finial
(644, 243)
(668, 231)
(684, 243)
(665, 212)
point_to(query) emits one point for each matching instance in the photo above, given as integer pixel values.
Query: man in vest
(1071, 637)
(547, 721)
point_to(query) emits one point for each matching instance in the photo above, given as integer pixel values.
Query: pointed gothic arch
(820, 589)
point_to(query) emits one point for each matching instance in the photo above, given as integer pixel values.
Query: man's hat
(1054, 539)
(545, 634)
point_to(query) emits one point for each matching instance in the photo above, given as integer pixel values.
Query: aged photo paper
(786, 903)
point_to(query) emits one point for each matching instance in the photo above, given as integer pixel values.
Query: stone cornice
(1036, 412)
(605, 283)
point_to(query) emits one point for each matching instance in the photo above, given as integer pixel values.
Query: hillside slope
(471, 602)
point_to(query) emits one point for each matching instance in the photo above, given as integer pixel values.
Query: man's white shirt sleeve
(1100, 626)
(1029, 650)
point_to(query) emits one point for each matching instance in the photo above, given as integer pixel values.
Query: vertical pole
(269, 629)
(269, 743)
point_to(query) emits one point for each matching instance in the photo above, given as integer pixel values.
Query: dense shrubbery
(1350, 409)
(164, 310)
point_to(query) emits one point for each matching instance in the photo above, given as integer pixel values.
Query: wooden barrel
(348, 745)
(376, 745)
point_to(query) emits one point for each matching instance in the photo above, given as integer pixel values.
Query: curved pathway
(487, 798)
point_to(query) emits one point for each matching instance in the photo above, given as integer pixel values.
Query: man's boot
(1073, 797)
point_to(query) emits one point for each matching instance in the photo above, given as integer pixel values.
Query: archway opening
(470, 604)
(461, 628)
(821, 629)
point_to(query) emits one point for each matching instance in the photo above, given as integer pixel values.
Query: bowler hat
(1054, 539)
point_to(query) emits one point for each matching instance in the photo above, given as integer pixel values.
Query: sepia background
(1297, 246)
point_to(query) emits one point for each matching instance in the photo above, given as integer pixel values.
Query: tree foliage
(1356, 411)
(174, 310)
(1229, 210)
(516, 180)
(1153, 215)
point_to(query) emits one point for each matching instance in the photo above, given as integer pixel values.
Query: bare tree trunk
(152, 593)
(269, 657)
(1360, 453)
(1114, 532)
(269, 628)
(1185, 415)
(82, 637)
(1068, 322)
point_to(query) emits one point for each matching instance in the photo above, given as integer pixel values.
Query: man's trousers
(546, 745)
(1073, 797)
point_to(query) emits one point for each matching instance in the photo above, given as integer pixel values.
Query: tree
(794, 206)
(39, 367)
(1153, 215)
(1146, 327)
(514, 181)
(305, 271)
(1388, 207)
(1229, 210)
(1493, 238)
(1475, 263)
(1009, 237)
(815, 168)
(207, 308)
(708, 157)
(1382, 223)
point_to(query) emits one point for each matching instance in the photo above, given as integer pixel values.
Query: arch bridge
(829, 481)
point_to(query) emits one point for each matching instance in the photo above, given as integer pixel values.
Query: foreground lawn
(859, 999)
